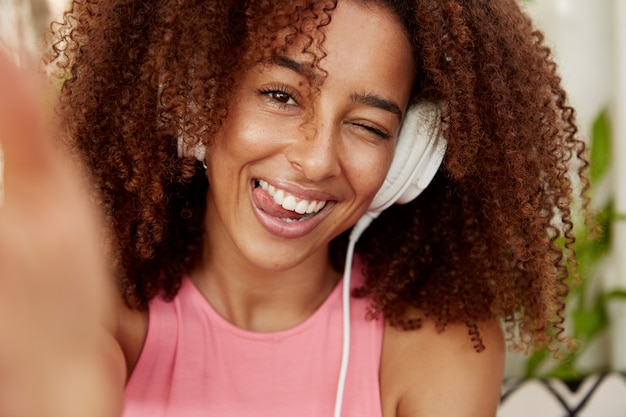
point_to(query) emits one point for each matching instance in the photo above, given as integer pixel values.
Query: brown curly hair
(485, 240)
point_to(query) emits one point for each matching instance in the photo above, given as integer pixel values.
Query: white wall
(581, 34)
(618, 312)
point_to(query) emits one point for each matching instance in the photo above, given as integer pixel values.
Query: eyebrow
(374, 100)
(295, 66)
(369, 99)
(288, 63)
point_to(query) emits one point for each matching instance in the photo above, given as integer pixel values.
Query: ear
(184, 149)
(197, 151)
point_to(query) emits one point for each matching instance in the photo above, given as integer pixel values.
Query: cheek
(369, 168)
(250, 134)
(233, 147)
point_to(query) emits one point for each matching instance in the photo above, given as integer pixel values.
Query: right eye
(280, 96)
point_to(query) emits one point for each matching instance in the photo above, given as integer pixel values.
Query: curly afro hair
(490, 238)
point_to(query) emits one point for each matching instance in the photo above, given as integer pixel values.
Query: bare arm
(57, 316)
(428, 374)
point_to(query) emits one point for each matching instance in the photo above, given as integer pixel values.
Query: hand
(57, 355)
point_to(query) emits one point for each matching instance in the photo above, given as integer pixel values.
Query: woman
(230, 274)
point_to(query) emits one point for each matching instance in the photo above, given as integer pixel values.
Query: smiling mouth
(294, 209)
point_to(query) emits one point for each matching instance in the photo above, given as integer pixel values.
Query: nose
(316, 154)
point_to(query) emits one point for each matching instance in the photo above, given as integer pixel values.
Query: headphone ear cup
(419, 153)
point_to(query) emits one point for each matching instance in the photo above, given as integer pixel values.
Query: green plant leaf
(590, 322)
(534, 361)
(600, 155)
(566, 371)
(615, 294)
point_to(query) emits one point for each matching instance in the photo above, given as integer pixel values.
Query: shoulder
(430, 373)
(130, 333)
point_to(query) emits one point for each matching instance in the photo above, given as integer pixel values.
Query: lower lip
(281, 228)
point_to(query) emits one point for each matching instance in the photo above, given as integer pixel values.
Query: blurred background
(588, 39)
(589, 43)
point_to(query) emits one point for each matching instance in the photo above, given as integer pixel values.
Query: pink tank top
(195, 363)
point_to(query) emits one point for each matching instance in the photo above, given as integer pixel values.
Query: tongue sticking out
(266, 203)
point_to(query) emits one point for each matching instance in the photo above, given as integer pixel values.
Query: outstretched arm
(58, 357)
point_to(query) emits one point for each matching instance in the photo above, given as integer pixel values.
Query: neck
(262, 300)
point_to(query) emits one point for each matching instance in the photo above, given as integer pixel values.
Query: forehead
(354, 31)
(367, 49)
(363, 51)
(302, 28)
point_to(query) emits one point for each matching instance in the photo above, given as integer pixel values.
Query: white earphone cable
(357, 230)
(423, 149)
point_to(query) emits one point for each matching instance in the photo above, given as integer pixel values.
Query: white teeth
(289, 202)
(301, 207)
(279, 197)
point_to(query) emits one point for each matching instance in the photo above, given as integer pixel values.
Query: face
(291, 170)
